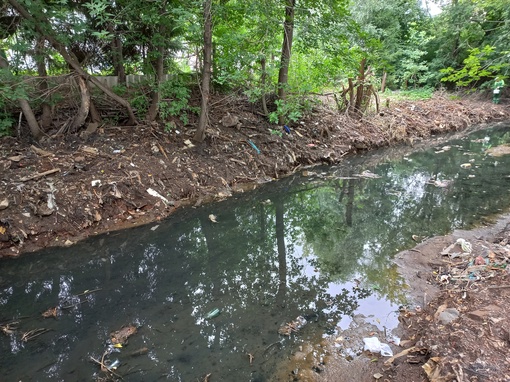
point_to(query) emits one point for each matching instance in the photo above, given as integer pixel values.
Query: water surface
(318, 246)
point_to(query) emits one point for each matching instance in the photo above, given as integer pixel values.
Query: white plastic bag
(373, 345)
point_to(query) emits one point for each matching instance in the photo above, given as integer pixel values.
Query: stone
(4, 204)
(448, 315)
(484, 313)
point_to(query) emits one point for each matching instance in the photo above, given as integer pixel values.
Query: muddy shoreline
(64, 189)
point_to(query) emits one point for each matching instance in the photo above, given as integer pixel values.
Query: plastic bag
(373, 345)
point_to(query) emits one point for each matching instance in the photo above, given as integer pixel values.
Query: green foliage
(175, 95)
(477, 66)
(290, 110)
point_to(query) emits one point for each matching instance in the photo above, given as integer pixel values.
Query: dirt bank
(64, 189)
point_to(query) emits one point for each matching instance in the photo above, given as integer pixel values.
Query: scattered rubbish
(254, 147)
(90, 150)
(213, 218)
(465, 165)
(158, 195)
(440, 183)
(114, 365)
(39, 175)
(139, 352)
(465, 245)
(51, 313)
(213, 313)
(368, 175)
(287, 129)
(31, 334)
(95, 183)
(378, 376)
(154, 228)
(41, 152)
(9, 328)
(121, 336)
(293, 326)
(373, 345)
(188, 143)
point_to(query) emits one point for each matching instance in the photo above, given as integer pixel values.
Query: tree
(288, 33)
(206, 72)
(22, 100)
(41, 25)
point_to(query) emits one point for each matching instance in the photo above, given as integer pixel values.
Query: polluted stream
(230, 290)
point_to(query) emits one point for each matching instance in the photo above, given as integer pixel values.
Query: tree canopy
(285, 48)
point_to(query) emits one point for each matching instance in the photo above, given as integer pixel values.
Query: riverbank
(107, 178)
(110, 178)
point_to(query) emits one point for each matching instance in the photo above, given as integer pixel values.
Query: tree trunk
(83, 111)
(118, 58)
(46, 117)
(70, 58)
(159, 63)
(383, 82)
(206, 74)
(263, 84)
(288, 32)
(360, 88)
(35, 130)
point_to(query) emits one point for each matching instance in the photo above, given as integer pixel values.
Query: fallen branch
(401, 354)
(39, 175)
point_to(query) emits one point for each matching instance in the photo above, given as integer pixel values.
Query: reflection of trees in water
(261, 264)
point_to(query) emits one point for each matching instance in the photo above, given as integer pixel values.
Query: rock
(484, 313)
(448, 315)
(4, 204)
(230, 121)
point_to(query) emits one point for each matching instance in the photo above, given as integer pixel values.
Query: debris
(4, 204)
(90, 150)
(373, 345)
(9, 328)
(188, 143)
(230, 121)
(51, 312)
(378, 376)
(213, 218)
(465, 245)
(95, 183)
(293, 326)
(121, 336)
(213, 313)
(39, 175)
(254, 147)
(465, 165)
(368, 175)
(41, 152)
(138, 352)
(158, 195)
(31, 334)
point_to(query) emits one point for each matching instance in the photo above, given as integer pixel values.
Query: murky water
(318, 246)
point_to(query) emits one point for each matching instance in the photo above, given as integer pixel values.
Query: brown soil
(64, 189)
